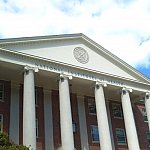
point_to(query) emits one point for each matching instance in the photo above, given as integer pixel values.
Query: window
(91, 106)
(117, 111)
(1, 122)
(37, 129)
(95, 134)
(148, 138)
(144, 114)
(120, 135)
(1, 92)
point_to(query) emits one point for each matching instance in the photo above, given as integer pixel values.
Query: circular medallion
(81, 55)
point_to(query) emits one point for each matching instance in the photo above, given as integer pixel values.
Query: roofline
(37, 38)
(73, 36)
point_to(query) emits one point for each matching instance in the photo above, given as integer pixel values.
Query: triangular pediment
(75, 50)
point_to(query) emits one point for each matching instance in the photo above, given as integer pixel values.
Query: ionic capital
(147, 95)
(27, 68)
(63, 76)
(98, 84)
(126, 90)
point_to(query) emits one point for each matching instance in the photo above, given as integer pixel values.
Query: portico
(125, 86)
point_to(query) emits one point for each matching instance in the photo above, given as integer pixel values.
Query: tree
(5, 144)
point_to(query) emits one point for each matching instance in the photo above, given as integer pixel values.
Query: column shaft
(104, 132)
(131, 133)
(29, 127)
(147, 106)
(65, 115)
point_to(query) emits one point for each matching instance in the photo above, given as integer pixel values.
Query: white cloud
(117, 25)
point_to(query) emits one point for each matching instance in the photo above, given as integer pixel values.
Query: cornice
(31, 58)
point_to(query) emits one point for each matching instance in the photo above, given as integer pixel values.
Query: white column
(131, 133)
(102, 119)
(14, 113)
(83, 124)
(65, 115)
(49, 143)
(110, 125)
(147, 106)
(29, 126)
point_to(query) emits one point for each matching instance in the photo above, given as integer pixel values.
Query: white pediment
(78, 51)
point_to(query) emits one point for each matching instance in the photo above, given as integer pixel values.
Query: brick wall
(117, 123)
(5, 105)
(142, 127)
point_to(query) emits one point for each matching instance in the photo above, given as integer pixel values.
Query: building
(66, 91)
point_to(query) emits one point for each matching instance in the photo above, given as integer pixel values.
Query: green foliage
(5, 144)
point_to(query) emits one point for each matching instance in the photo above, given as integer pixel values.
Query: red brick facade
(142, 127)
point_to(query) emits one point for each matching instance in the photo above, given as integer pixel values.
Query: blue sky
(121, 26)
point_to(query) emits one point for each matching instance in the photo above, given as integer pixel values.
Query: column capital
(99, 83)
(147, 95)
(125, 90)
(65, 76)
(27, 68)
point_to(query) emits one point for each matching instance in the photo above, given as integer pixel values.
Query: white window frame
(124, 135)
(148, 138)
(2, 92)
(120, 109)
(144, 114)
(1, 122)
(91, 100)
(94, 126)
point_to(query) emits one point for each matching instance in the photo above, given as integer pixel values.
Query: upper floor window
(148, 138)
(117, 111)
(120, 135)
(1, 92)
(1, 122)
(91, 106)
(94, 134)
(144, 114)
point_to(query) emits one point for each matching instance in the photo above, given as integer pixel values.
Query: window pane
(91, 106)
(94, 133)
(1, 122)
(144, 114)
(120, 134)
(1, 92)
(148, 138)
(117, 112)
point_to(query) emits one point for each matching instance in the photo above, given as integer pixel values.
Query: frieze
(77, 73)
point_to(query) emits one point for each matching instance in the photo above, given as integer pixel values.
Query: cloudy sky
(121, 26)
